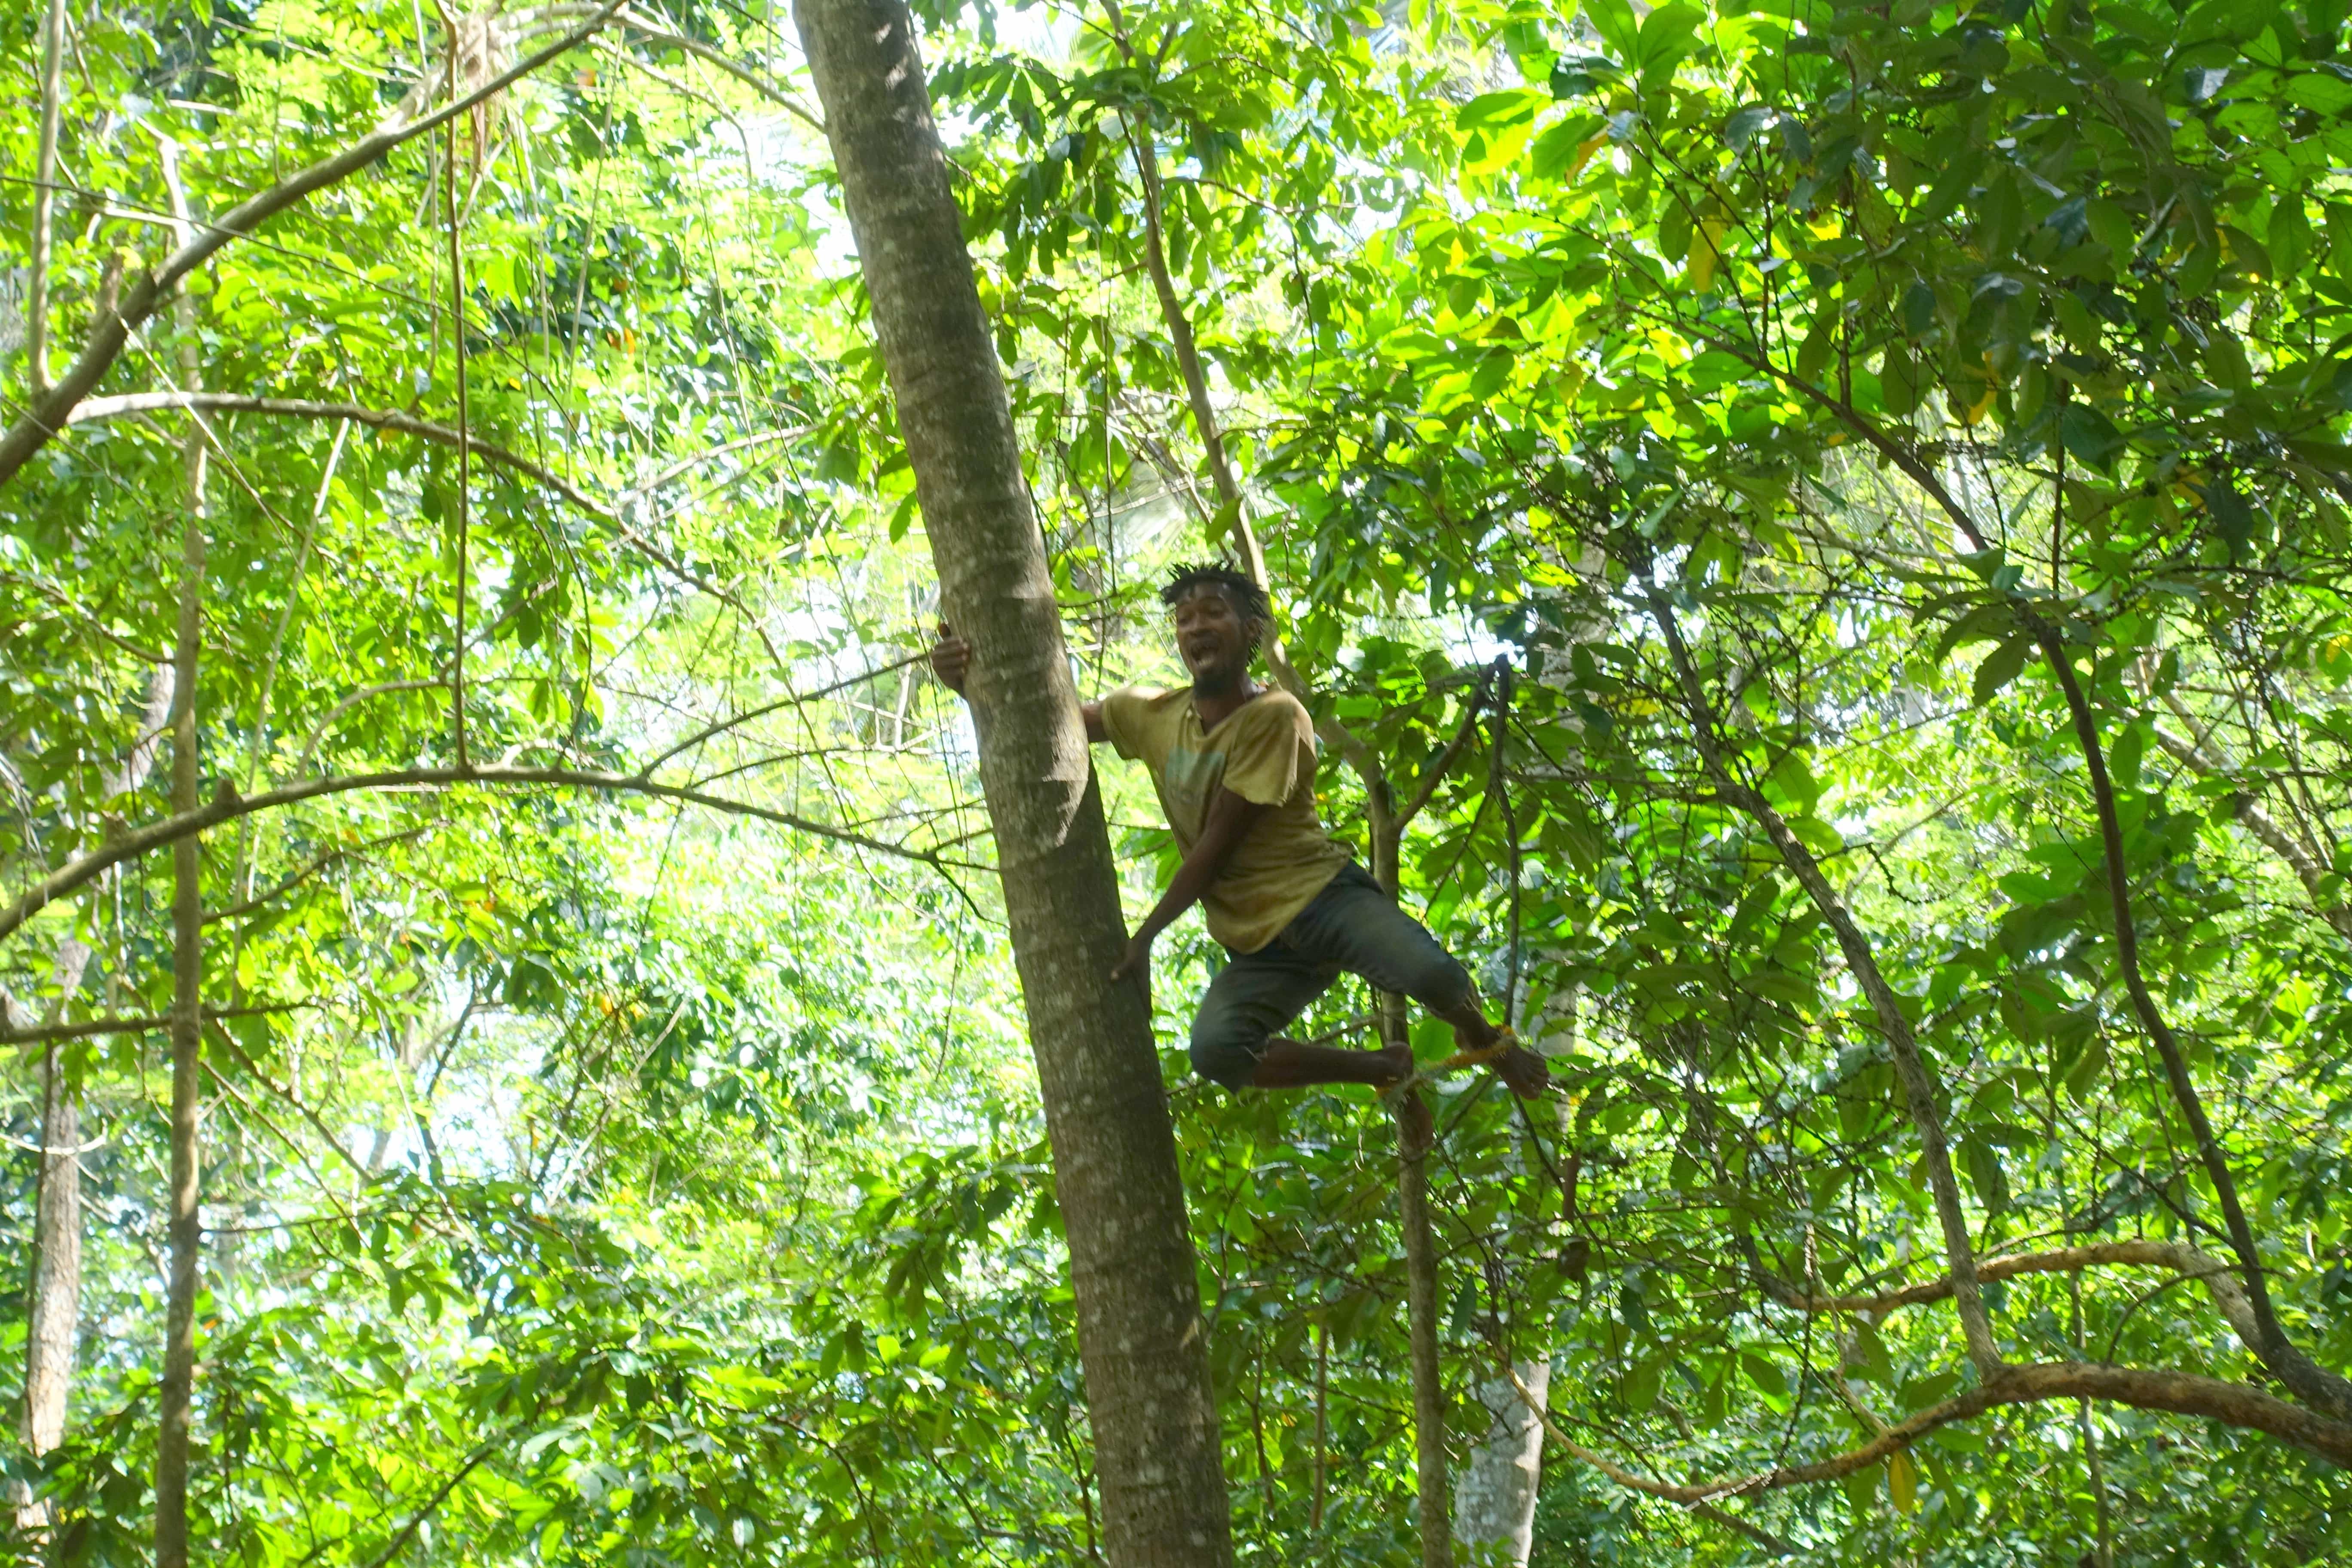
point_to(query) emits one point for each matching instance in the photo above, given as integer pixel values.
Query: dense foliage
(1902, 441)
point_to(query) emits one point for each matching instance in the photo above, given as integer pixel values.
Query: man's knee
(1440, 982)
(1225, 1050)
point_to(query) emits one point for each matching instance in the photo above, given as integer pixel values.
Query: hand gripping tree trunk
(1141, 1336)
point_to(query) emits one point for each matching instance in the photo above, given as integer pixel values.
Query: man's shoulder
(1275, 709)
(1149, 696)
(1140, 719)
(1143, 701)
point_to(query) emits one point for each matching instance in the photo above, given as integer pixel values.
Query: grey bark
(1495, 1506)
(1141, 1340)
(53, 1312)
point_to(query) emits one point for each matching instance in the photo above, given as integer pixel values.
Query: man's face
(1211, 637)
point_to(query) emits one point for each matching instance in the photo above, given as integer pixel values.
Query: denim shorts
(1351, 926)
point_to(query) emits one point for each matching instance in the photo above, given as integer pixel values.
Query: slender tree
(1141, 1336)
(184, 1225)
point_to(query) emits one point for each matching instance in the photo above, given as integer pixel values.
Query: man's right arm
(952, 662)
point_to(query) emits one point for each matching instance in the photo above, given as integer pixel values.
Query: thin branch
(426, 430)
(318, 1124)
(1462, 738)
(416, 1522)
(227, 806)
(144, 1024)
(2258, 822)
(2310, 1383)
(261, 900)
(2192, 1264)
(374, 418)
(465, 439)
(794, 699)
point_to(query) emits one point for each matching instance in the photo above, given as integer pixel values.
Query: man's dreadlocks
(1246, 597)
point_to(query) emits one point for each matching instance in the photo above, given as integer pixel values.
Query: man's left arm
(1231, 816)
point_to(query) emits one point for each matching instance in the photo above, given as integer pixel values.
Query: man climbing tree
(1233, 764)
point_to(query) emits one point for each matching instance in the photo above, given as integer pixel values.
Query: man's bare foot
(1394, 1064)
(1523, 1073)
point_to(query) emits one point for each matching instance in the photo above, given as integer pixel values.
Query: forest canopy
(1815, 538)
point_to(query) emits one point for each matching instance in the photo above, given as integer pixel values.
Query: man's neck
(1215, 703)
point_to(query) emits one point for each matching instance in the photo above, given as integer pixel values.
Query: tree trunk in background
(55, 1309)
(1141, 1341)
(184, 1222)
(53, 1312)
(1495, 1504)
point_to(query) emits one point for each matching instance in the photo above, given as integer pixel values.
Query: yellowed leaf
(1903, 1481)
(1706, 253)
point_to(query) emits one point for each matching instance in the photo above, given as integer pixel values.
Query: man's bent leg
(1258, 994)
(1288, 1064)
(1358, 926)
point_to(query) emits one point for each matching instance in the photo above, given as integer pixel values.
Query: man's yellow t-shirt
(1263, 752)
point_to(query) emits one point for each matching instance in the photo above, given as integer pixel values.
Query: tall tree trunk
(1141, 1336)
(185, 1222)
(1495, 1504)
(53, 1313)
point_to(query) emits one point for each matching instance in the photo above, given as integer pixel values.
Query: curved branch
(112, 332)
(227, 806)
(1894, 1027)
(655, 33)
(2310, 1383)
(2176, 1393)
(308, 408)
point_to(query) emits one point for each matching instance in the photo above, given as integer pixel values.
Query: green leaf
(1982, 1163)
(1999, 667)
(1613, 20)
(2124, 756)
(2090, 437)
(1559, 146)
(1793, 777)
(1492, 110)
(2090, 1069)
(1813, 353)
